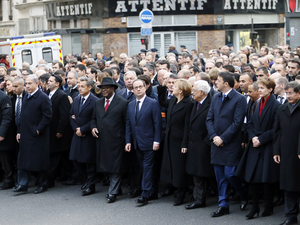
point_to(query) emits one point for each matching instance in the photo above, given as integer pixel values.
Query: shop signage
(77, 9)
(173, 7)
(292, 8)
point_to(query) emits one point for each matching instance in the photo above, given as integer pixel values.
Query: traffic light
(144, 41)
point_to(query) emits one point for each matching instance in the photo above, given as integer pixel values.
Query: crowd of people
(224, 125)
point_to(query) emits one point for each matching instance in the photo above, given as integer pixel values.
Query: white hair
(123, 55)
(131, 72)
(34, 77)
(202, 85)
(191, 79)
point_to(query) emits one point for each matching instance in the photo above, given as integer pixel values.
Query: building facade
(114, 26)
(292, 23)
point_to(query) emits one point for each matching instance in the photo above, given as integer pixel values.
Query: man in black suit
(198, 158)
(83, 147)
(286, 151)
(59, 130)
(9, 158)
(143, 129)
(108, 126)
(72, 79)
(7, 142)
(33, 136)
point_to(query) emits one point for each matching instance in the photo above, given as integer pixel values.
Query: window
(76, 43)
(96, 22)
(47, 54)
(37, 24)
(96, 43)
(26, 56)
(134, 21)
(65, 24)
(23, 26)
(53, 24)
(75, 23)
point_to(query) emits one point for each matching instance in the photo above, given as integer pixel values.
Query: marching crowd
(226, 125)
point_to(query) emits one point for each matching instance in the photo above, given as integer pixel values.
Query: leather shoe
(292, 220)
(166, 193)
(142, 200)
(19, 188)
(243, 204)
(40, 190)
(178, 201)
(110, 198)
(71, 182)
(195, 205)
(6, 186)
(88, 191)
(84, 186)
(153, 196)
(221, 211)
(135, 193)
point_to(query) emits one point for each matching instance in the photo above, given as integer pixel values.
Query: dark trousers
(157, 167)
(60, 165)
(291, 206)
(23, 178)
(114, 183)
(7, 165)
(146, 160)
(224, 176)
(87, 172)
(268, 193)
(201, 186)
(135, 172)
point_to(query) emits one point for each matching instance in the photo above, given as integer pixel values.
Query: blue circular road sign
(146, 16)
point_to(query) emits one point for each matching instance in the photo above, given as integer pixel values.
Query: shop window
(96, 43)
(26, 56)
(76, 43)
(37, 24)
(47, 54)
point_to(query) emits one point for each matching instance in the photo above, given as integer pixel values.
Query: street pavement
(64, 205)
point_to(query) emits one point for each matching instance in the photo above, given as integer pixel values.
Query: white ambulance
(32, 48)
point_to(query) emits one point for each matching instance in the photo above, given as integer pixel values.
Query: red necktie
(107, 104)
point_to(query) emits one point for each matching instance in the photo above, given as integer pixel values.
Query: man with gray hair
(279, 90)
(127, 92)
(33, 136)
(198, 162)
(72, 79)
(43, 67)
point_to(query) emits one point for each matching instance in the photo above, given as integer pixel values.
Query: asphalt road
(64, 205)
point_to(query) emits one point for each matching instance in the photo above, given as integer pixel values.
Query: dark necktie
(29, 95)
(18, 111)
(81, 104)
(170, 96)
(198, 105)
(129, 94)
(107, 104)
(280, 99)
(137, 110)
(223, 97)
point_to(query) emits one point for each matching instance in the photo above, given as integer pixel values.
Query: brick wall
(210, 40)
(207, 19)
(113, 22)
(116, 42)
(85, 43)
(281, 36)
(84, 23)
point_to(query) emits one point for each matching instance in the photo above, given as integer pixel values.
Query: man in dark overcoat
(224, 122)
(198, 157)
(286, 150)
(83, 147)
(59, 130)
(108, 126)
(33, 136)
(7, 140)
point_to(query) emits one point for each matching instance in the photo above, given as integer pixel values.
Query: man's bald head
(184, 74)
